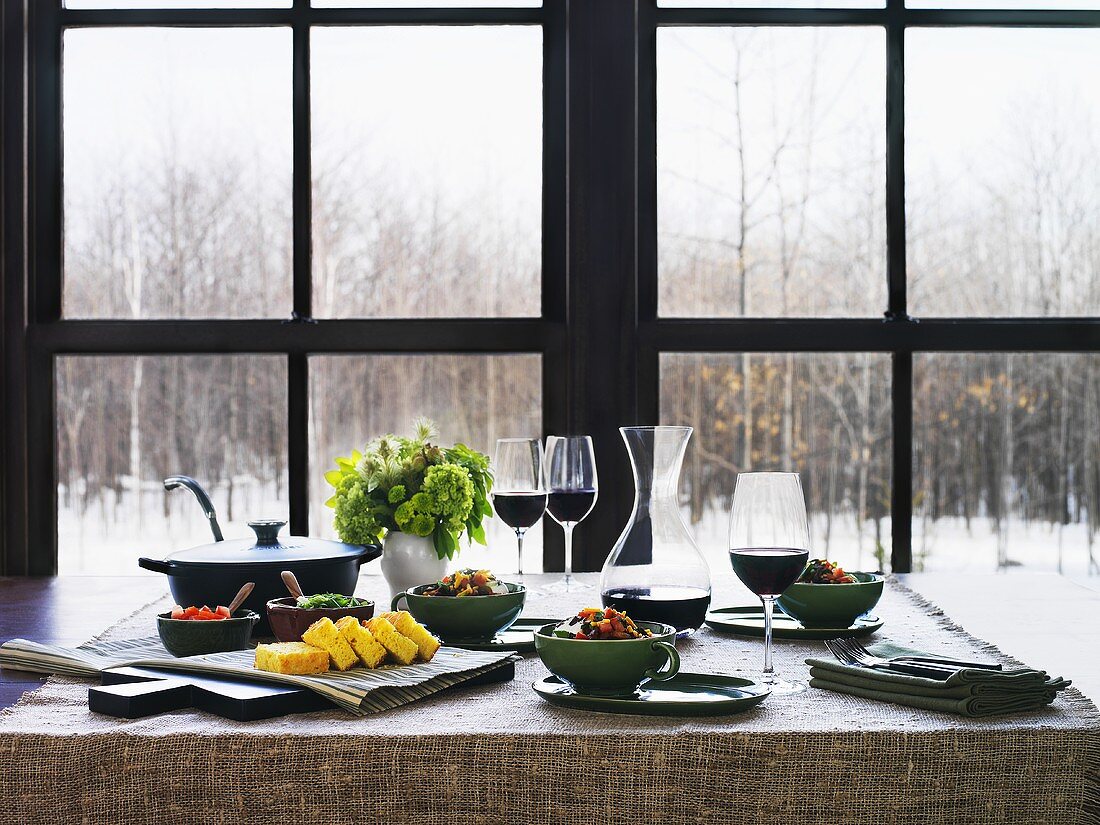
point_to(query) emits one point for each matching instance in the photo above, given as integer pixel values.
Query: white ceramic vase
(410, 560)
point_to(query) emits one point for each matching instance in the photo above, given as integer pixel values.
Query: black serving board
(134, 692)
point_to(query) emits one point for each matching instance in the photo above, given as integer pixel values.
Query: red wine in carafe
(768, 571)
(519, 510)
(684, 608)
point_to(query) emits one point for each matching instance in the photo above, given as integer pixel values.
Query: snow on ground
(110, 536)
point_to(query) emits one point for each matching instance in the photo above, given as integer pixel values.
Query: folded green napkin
(968, 692)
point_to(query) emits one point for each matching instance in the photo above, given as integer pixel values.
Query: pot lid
(267, 547)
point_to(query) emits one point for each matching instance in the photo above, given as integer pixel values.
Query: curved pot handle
(396, 600)
(156, 565)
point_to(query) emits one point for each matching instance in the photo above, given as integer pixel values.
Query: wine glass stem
(519, 542)
(769, 603)
(568, 526)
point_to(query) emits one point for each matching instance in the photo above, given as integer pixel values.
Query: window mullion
(901, 498)
(298, 363)
(603, 372)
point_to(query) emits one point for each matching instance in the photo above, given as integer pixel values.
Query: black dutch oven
(213, 573)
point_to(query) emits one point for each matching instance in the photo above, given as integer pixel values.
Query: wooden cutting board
(134, 692)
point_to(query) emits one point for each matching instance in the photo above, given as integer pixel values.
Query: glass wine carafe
(655, 572)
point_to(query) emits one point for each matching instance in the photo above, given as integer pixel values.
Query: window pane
(126, 423)
(771, 176)
(435, 4)
(1001, 174)
(177, 173)
(177, 4)
(1006, 461)
(771, 4)
(825, 416)
(1003, 4)
(427, 191)
(474, 399)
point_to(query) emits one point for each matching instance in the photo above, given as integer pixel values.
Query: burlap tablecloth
(500, 754)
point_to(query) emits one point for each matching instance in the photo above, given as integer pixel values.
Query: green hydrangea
(415, 516)
(412, 485)
(356, 521)
(451, 492)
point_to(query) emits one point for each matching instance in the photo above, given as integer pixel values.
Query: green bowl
(609, 667)
(193, 637)
(464, 619)
(832, 605)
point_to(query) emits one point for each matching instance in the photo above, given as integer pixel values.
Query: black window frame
(599, 334)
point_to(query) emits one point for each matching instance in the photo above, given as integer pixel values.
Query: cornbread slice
(407, 626)
(370, 653)
(295, 658)
(402, 649)
(323, 634)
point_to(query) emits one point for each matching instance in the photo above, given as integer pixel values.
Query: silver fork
(939, 672)
(857, 648)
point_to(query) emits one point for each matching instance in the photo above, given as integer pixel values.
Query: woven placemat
(500, 754)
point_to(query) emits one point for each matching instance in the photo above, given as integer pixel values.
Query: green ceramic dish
(191, 637)
(749, 621)
(457, 619)
(609, 667)
(685, 694)
(832, 605)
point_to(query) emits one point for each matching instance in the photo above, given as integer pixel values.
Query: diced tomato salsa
(203, 613)
(601, 623)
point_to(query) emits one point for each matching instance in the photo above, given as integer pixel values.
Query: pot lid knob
(267, 530)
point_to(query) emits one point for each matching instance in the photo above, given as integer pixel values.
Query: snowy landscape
(426, 203)
(108, 541)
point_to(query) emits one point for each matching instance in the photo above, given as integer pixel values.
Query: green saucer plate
(685, 694)
(520, 637)
(749, 621)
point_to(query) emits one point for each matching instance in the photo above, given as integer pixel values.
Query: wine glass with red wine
(572, 488)
(519, 496)
(769, 541)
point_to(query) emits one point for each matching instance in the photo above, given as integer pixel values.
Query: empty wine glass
(769, 542)
(519, 496)
(572, 488)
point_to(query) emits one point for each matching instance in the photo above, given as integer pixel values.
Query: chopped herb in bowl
(329, 600)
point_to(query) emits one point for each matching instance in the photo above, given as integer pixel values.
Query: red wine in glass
(519, 510)
(768, 571)
(570, 505)
(769, 541)
(519, 497)
(570, 478)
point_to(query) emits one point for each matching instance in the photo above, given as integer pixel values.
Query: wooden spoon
(291, 582)
(242, 594)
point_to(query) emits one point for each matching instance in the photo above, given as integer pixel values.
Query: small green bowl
(464, 619)
(192, 637)
(832, 605)
(609, 667)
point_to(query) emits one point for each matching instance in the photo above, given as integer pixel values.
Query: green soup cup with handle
(458, 619)
(832, 605)
(610, 667)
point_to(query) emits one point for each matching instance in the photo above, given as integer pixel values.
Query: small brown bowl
(288, 621)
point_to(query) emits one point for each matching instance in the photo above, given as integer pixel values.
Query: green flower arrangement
(412, 486)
